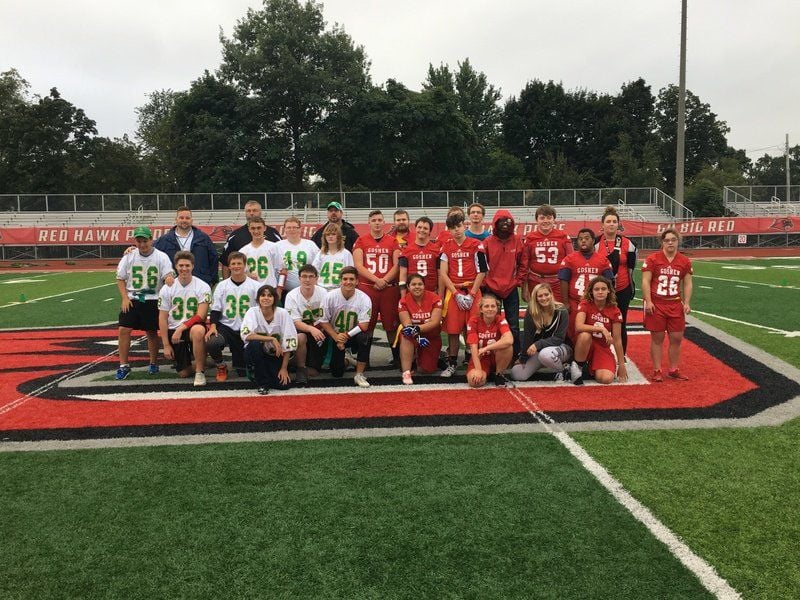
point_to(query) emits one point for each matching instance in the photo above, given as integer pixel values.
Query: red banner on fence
(117, 236)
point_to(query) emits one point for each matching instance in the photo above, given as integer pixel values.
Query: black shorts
(183, 351)
(142, 316)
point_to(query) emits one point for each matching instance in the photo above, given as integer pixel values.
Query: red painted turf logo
(58, 384)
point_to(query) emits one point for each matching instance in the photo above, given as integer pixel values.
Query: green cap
(335, 205)
(142, 232)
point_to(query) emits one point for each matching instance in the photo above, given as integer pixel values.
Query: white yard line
(769, 285)
(700, 568)
(57, 295)
(721, 318)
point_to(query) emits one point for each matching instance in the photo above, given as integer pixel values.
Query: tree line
(292, 107)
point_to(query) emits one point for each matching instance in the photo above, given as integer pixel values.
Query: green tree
(154, 132)
(297, 71)
(395, 138)
(704, 192)
(630, 170)
(109, 166)
(771, 170)
(705, 141)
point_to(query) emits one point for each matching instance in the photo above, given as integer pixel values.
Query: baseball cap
(143, 232)
(335, 205)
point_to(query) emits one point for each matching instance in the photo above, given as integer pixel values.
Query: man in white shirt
(183, 308)
(295, 251)
(140, 275)
(232, 298)
(304, 304)
(264, 263)
(345, 318)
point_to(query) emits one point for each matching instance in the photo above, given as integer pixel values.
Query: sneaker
(263, 391)
(350, 361)
(122, 373)
(360, 380)
(152, 369)
(657, 377)
(302, 376)
(407, 378)
(676, 374)
(500, 380)
(575, 372)
(199, 379)
(222, 372)
(449, 371)
(559, 376)
(578, 380)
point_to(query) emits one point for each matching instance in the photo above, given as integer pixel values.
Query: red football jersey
(665, 284)
(463, 260)
(422, 260)
(582, 271)
(606, 317)
(377, 253)
(545, 252)
(420, 311)
(478, 332)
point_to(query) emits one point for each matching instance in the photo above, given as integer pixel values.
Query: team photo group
(288, 308)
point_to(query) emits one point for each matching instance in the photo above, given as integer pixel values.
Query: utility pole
(679, 152)
(788, 173)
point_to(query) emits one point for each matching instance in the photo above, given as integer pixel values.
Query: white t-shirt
(281, 327)
(295, 256)
(345, 313)
(233, 300)
(181, 302)
(265, 261)
(144, 275)
(330, 267)
(307, 310)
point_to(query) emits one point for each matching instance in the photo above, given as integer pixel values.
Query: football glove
(411, 330)
(464, 301)
(423, 341)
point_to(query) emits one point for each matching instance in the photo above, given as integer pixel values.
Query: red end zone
(36, 403)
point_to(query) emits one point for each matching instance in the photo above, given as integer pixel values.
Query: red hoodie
(508, 263)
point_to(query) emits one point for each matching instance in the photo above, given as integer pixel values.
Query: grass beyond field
(478, 516)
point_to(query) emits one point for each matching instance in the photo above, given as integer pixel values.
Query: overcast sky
(743, 55)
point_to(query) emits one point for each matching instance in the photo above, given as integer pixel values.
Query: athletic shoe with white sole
(676, 374)
(575, 372)
(360, 380)
(222, 372)
(407, 378)
(449, 371)
(152, 369)
(199, 379)
(657, 376)
(122, 373)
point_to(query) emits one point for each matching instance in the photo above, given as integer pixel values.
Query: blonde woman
(333, 257)
(544, 337)
(491, 342)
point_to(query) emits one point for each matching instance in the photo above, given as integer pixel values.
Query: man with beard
(335, 215)
(186, 237)
(241, 237)
(400, 228)
(505, 254)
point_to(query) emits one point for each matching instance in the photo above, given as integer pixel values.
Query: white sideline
(704, 572)
(56, 295)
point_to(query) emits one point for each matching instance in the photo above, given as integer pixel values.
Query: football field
(689, 511)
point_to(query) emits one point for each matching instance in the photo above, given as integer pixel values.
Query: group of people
(316, 303)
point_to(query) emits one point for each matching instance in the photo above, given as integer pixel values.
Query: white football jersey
(330, 267)
(294, 257)
(281, 327)
(144, 275)
(265, 261)
(181, 302)
(233, 300)
(345, 313)
(307, 310)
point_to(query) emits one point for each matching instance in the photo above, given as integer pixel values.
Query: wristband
(402, 284)
(354, 331)
(195, 320)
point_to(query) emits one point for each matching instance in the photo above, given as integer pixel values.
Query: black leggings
(624, 298)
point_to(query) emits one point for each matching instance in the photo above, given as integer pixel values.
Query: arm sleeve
(483, 266)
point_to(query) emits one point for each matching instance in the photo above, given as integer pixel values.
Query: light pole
(679, 151)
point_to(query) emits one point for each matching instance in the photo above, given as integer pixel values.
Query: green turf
(55, 299)
(732, 495)
(474, 516)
